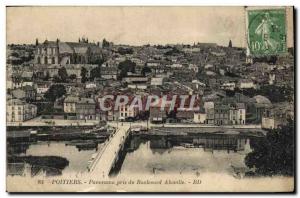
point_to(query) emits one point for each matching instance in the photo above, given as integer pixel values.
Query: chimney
(36, 42)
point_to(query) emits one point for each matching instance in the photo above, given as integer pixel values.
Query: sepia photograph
(127, 99)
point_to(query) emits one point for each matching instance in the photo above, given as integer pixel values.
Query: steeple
(230, 43)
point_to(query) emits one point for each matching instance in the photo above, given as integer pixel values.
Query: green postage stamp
(267, 32)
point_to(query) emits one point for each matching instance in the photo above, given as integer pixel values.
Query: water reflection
(145, 155)
(77, 158)
(184, 154)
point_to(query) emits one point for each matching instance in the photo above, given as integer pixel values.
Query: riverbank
(39, 122)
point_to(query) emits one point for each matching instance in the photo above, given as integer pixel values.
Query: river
(158, 154)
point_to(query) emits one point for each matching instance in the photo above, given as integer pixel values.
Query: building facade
(57, 52)
(86, 109)
(125, 112)
(20, 111)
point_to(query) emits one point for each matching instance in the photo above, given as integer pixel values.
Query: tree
(83, 75)
(124, 51)
(63, 75)
(146, 70)
(105, 43)
(56, 79)
(72, 77)
(54, 92)
(126, 66)
(274, 154)
(95, 73)
(272, 92)
(173, 51)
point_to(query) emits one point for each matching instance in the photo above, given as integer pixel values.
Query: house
(137, 86)
(197, 84)
(246, 84)
(135, 79)
(209, 111)
(42, 88)
(176, 65)
(86, 109)
(70, 104)
(157, 115)
(90, 85)
(185, 115)
(208, 105)
(237, 114)
(256, 108)
(210, 116)
(152, 63)
(228, 86)
(156, 81)
(101, 115)
(127, 112)
(191, 49)
(193, 67)
(200, 117)
(113, 115)
(20, 111)
(221, 114)
(109, 73)
(277, 116)
(268, 123)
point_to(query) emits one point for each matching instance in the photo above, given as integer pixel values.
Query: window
(53, 60)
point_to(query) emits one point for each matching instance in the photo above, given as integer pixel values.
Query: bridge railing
(122, 142)
(92, 166)
(99, 154)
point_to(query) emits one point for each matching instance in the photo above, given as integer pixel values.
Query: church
(63, 53)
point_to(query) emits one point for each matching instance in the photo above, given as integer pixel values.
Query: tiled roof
(65, 48)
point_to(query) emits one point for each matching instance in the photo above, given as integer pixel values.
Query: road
(183, 125)
(105, 158)
(54, 122)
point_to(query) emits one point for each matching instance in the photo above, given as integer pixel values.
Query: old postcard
(150, 99)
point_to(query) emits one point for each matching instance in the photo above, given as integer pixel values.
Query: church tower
(230, 43)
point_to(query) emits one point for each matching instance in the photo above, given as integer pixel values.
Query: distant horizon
(135, 26)
(151, 44)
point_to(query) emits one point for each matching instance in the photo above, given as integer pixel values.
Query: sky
(129, 25)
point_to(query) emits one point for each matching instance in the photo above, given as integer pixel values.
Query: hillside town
(64, 82)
